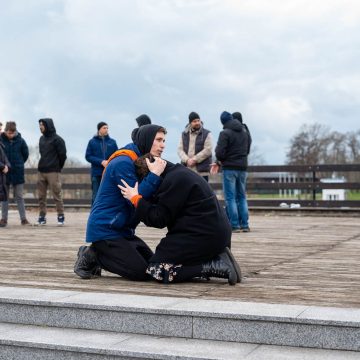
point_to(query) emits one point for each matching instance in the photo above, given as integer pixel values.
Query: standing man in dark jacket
(99, 149)
(232, 150)
(52, 159)
(195, 147)
(17, 153)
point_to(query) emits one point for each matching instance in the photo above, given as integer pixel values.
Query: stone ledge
(287, 325)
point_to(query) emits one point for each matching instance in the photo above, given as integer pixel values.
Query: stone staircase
(54, 324)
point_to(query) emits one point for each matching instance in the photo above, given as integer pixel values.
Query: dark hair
(10, 126)
(141, 167)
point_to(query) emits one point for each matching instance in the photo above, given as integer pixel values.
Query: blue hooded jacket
(111, 217)
(99, 148)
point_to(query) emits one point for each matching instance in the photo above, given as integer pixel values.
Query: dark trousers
(95, 184)
(126, 257)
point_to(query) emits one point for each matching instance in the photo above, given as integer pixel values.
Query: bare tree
(255, 157)
(353, 146)
(309, 145)
(34, 156)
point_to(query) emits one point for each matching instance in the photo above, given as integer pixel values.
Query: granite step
(29, 342)
(229, 321)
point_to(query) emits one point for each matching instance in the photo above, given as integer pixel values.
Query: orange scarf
(130, 153)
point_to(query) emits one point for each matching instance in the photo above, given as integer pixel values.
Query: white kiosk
(333, 194)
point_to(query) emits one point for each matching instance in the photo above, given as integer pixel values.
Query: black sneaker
(86, 265)
(3, 222)
(61, 220)
(41, 220)
(245, 229)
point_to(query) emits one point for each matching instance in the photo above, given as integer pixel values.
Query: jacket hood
(132, 147)
(17, 135)
(97, 136)
(234, 125)
(144, 137)
(49, 126)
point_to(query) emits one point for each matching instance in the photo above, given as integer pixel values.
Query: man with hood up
(141, 121)
(99, 149)
(111, 226)
(232, 150)
(52, 159)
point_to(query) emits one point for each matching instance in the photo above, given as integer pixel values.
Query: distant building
(333, 194)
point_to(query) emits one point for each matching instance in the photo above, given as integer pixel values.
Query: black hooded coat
(198, 228)
(52, 149)
(233, 146)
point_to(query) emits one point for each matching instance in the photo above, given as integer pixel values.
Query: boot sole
(235, 264)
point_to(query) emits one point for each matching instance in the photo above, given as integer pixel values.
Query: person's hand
(127, 191)
(5, 169)
(191, 162)
(214, 168)
(157, 167)
(104, 163)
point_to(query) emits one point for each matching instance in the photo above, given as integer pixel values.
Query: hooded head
(237, 116)
(225, 117)
(144, 137)
(143, 120)
(48, 125)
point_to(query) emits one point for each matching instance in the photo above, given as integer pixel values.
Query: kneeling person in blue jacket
(110, 228)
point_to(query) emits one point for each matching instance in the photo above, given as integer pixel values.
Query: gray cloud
(280, 63)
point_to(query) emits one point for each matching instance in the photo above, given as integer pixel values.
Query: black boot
(221, 267)
(234, 262)
(86, 265)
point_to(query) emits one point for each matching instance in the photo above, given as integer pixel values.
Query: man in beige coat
(195, 147)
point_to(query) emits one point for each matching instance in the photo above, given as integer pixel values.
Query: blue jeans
(95, 183)
(234, 186)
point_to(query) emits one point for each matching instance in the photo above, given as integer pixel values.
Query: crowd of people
(135, 184)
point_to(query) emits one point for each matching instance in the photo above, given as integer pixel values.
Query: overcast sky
(281, 63)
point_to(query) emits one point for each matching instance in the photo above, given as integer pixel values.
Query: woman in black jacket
(198, 238)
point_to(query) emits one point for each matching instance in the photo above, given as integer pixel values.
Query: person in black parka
(52, 150)
(198, 238)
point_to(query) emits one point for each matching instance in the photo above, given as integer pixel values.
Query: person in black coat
(52, 159)
(232, 150)
(198, 238)
(17, 153)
